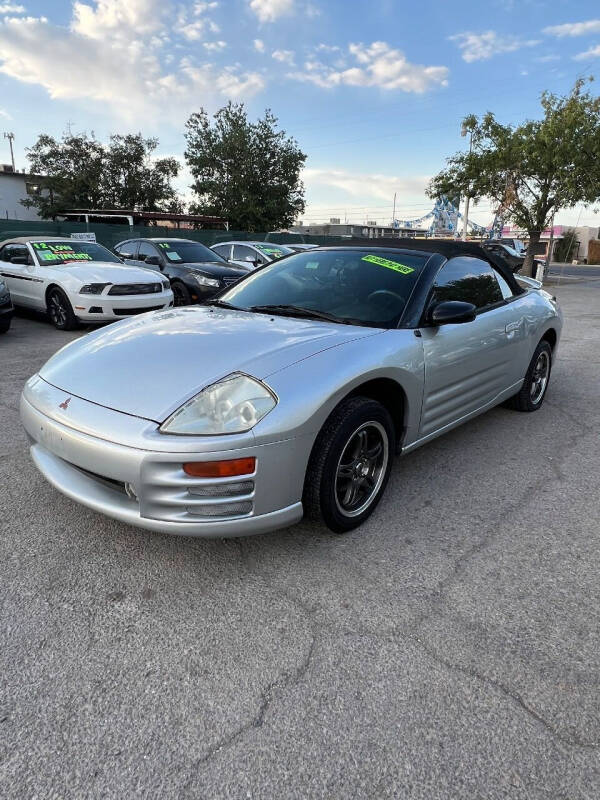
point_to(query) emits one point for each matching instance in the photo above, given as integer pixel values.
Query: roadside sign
(84, 237)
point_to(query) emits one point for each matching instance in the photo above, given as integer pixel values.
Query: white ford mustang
(78, 281)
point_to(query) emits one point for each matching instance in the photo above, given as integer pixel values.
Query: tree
(533, 170)
(247, 172)
(80, 172)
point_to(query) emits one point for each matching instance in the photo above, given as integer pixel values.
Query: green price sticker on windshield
(164, 245)
(385, 262)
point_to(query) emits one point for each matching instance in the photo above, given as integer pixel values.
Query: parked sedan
(513, 259)
(78, 281)
(6, 307)
(195, 272)
(250, 255)
(291, 393)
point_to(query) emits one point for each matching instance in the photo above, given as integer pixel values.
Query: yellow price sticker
(385, 262)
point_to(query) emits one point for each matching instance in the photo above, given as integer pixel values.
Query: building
(370, 230)
(584, 234)
(121, 216)
(14, 187)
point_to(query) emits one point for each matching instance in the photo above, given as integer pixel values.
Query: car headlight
(204, 280)
(166, 285)
(232, 405)
(93, 288)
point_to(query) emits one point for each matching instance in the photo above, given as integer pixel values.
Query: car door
(469, 365)
(223, 250)
(147, 250)
(21, 276)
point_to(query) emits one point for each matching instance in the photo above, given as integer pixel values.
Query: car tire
(4, 325)
(344, 493)
(531, 395)
(60, 310)
(181, 294)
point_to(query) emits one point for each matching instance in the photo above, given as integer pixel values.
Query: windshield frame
(112, 259)
(172, 245)
(410, 315)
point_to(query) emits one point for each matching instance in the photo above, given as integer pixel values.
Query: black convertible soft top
(446, 247)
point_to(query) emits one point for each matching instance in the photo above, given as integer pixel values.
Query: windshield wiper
(223, 304)
(300, 312)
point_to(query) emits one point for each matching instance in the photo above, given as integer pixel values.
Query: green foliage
(534, 169)
(80, 172)
(248, 173)
(565, 247)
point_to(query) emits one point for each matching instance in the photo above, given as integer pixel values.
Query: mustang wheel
(350, 464)
(181, 295)
(532, 393)
(60, 311)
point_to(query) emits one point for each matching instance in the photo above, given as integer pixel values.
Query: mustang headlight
(93, 288)
(233, 405)
(204, 280)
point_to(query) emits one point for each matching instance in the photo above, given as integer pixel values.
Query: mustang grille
(136, 288)
(128, 312)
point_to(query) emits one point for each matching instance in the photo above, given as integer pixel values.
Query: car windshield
(66, 252)
(188, 252)
(364, 287)
(274, 251)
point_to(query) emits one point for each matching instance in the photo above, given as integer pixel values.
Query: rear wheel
(532, 393)
(181, 294)
(350, 464)
(60, 310)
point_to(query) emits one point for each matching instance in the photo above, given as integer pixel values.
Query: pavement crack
(515, 697)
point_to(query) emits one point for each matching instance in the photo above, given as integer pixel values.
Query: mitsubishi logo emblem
(65, 404)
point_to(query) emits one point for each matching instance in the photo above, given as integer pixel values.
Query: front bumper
(105, 307)
(95, 472)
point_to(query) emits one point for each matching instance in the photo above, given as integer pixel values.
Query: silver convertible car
(292, 391)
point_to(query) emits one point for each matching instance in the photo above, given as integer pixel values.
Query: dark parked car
(511, 257)
(6, 307)
(196, 272)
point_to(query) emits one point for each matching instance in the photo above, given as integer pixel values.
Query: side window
(223, 250)
(241, 252)
(127, 250)
(146, 249)
(468, 279)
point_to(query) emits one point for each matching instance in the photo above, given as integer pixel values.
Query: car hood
(149, 365)
(217, 268)
(107, 272)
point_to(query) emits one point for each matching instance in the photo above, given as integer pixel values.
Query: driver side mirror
(451, 312)
(19, 260)
(153, 261)
(252, 260)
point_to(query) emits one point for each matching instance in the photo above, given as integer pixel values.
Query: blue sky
(373, 91)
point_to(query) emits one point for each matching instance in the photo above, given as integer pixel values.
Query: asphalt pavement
(450, 648)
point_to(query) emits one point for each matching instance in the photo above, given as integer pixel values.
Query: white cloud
(259, 45)
(215, 47)
(482, 46)
(378, 65)
(4, 114)
(11, 8)
(125, 76)
(114, 18)
(270, 10)
(593, 52)
(574, 28)
(365, 186)
(285, 56)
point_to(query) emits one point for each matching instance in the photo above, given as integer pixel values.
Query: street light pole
(463, 132)
(10, 137)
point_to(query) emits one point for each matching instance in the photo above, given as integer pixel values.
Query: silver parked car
(291, 392)
(250, 255)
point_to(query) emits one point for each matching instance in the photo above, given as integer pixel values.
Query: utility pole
(394, 214)
(11, 138)
(550, 249)
(463, 132)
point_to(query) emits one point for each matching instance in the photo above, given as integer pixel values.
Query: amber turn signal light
(220, 469)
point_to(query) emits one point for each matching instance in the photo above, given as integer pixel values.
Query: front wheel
(60, 310)
(4, 325)
(532, 393)
(350, 464)
(181, 294)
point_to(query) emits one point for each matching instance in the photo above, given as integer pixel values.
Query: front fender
(310, 389)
